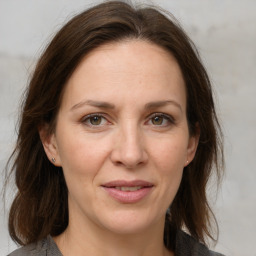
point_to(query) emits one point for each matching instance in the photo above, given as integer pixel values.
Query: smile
(128, 188)
(128, 191)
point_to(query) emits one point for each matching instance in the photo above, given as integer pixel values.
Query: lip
(128, 196)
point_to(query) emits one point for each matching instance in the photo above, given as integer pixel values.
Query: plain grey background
(225, 33)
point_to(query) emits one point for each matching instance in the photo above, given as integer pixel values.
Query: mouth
(128, 188)
(128, 191)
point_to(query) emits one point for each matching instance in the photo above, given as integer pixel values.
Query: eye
(160, 119)
(157, 120)
(94, 120)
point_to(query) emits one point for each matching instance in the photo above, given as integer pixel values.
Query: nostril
(118, 163)
(128, 152)
(128, 165)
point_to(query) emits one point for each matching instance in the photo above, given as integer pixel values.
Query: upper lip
(125, 183)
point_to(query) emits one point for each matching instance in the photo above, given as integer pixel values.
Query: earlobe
(50, 145)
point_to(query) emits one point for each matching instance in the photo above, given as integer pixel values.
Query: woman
(118, 138)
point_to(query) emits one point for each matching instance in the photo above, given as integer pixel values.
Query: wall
(225, 33)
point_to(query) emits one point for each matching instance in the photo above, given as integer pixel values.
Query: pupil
(95, 120)
(158, 120)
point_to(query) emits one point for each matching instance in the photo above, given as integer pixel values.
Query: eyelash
(166, 117)
(87, 118)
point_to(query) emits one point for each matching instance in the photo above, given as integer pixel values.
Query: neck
(82, 238)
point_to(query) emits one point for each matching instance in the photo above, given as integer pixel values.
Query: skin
(132, 140)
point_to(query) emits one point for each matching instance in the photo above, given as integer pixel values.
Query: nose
(129, 150)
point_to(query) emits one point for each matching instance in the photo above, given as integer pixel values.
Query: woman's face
(122, 137)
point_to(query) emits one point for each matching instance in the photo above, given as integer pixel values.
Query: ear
(50, 145)
(192, 146)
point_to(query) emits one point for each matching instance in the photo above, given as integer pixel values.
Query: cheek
(169, 159)
(170, 155)
(81, 160)
(81, 154)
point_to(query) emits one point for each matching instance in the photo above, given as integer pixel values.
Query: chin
(129, 222)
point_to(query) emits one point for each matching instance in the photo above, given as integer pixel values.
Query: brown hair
(40, 206)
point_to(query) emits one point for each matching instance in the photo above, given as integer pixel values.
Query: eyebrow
(98, 104)
(157, 104)
(106, 105)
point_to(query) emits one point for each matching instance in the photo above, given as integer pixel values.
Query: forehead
(129, 67)
(138, 54)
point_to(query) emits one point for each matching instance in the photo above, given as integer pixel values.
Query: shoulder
(38, 248)
(188, 246)
(41, 248)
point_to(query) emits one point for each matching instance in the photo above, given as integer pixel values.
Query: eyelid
(167, 117)
(87, 117)
(164, 115)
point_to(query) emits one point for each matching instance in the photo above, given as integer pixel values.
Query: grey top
(185, 246)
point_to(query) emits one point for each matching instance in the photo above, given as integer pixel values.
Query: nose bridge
(129, 150)
(131, 141)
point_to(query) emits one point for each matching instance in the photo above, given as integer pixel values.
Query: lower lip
(128, 196)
